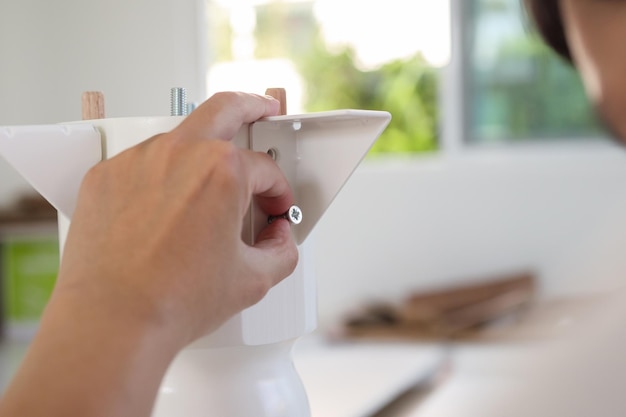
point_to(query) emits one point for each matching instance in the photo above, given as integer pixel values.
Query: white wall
(133, 51)
(425, 222)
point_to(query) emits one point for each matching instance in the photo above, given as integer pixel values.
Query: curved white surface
(359, 379)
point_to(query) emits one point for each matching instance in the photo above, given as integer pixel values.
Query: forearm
(86, 361)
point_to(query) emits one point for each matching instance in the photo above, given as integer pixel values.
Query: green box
(29, 271)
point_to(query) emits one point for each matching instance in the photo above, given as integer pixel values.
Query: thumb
(275, 252)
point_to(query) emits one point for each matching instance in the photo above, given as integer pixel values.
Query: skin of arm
(153, 260)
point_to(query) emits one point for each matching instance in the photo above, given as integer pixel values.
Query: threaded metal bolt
(178, 103)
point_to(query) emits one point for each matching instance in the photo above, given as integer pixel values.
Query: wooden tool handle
(93, 105)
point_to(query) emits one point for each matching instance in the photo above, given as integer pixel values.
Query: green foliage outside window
(405, 88)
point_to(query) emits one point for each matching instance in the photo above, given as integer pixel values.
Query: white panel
(53, 158)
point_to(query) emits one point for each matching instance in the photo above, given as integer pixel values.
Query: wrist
(83, 343)
(97, 318)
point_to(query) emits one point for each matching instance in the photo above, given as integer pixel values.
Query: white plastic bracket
(317, 152)
(53, 158)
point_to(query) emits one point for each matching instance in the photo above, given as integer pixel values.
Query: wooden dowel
(279, 94)
(93, 105)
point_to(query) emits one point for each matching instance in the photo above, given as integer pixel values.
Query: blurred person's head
(591, 34)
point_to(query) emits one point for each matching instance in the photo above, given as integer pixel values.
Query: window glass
(332, 54)
(517, 89)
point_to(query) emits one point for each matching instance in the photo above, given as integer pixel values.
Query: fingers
(267, 183)
(275, 253)
(222, 115)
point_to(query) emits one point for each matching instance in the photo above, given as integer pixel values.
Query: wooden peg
(93, 105)
(281, 95)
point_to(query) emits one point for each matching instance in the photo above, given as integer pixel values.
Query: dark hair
(546, 16)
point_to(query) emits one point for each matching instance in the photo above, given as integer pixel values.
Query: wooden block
(93, 105)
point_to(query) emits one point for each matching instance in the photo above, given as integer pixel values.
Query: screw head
(294, 214)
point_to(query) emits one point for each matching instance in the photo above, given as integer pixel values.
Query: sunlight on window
(383, 31)
(246, 73)
(257, 75)
(377, 32)
(338, 54)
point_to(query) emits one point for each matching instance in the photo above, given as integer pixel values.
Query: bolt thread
(178, 101)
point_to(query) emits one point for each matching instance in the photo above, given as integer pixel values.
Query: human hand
(153, 260)
(156, 234)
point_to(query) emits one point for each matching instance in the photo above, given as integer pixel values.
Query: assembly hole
(273, 153)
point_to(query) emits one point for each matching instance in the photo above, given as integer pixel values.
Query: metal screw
(294, 215)
(178, 101)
